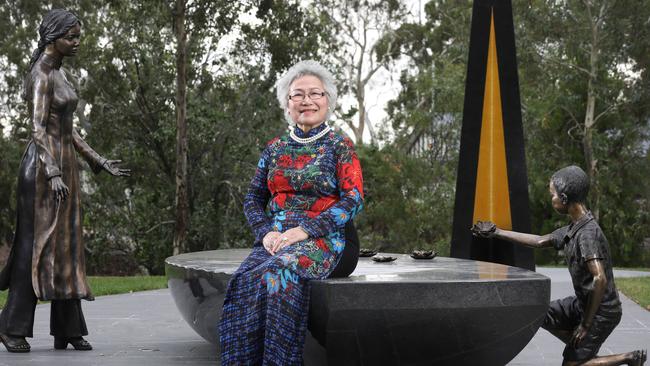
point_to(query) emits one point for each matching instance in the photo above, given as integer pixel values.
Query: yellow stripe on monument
(492, 200)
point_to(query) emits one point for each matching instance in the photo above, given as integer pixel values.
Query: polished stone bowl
(365, 252)
(383, 258)
(411, 312)
(423, 254)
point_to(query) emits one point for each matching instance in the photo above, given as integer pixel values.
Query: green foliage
(286, 36)
(408, 202)
(125, 73)
(358, 53)
(430, 103)
(433, 84)
(125, 76)
(553, 84)
(228, 125)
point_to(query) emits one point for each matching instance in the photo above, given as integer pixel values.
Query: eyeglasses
(299, 95)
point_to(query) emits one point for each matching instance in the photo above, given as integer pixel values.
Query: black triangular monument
(492, 182)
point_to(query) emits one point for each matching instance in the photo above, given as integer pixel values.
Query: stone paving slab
(142, 328)
(145, 328)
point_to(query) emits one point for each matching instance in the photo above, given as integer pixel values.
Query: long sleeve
(257, 198)
(41, 101)
(93, 158)
(350, 186)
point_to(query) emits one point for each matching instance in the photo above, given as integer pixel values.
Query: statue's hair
(300, 69)
(572, 182)
(55, 24)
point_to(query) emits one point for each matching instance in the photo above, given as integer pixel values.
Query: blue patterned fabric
(319, 187)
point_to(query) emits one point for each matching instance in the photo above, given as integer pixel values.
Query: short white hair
(300, 69)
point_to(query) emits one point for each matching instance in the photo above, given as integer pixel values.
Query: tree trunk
(587, 141)
(358, 133)
(181, 225)
(361, 93)
(588, 150)
(371, 130)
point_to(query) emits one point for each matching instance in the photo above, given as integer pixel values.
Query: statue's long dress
(317, 186)
(47, 257)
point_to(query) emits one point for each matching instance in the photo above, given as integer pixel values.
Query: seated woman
(307, 186)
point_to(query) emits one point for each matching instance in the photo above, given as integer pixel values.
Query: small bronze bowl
(365, 252)
(423, 254)
(382, 258)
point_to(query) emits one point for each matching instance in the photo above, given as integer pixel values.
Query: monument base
(443, 311)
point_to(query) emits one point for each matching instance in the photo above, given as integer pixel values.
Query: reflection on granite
(439, 311)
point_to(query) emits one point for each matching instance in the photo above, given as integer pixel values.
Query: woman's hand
(111, 166)
(61, 191)
(269, 240)
(289, 237)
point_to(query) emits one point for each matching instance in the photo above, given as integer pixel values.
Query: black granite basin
(443, 311)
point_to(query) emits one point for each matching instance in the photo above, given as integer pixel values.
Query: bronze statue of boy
(584, 321)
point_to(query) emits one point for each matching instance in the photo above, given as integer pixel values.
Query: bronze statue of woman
(47, 257)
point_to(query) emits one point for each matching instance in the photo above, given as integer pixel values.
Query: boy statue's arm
(599, 285)
(488, 229)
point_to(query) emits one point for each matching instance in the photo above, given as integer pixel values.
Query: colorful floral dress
(317, 186)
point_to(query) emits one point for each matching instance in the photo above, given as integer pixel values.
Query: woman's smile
(308, 113)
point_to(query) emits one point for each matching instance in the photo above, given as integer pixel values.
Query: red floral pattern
(304, 261)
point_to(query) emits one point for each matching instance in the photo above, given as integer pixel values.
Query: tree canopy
(585, 101)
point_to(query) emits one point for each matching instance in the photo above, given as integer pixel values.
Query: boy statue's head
(571, 184)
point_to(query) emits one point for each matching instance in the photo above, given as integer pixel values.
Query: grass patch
(121, 285)
(642, 269)
(637, 289)
(115, 285)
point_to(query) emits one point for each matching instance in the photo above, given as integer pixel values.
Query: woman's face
(556, 200)
(308, 113)
(69, 43)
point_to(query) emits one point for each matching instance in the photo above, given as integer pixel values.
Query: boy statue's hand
(484, 229)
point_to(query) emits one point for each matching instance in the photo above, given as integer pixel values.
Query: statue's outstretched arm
(96, 161)
(487, 229)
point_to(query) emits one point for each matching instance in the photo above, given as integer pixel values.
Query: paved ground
(146, 329)
(143, 328)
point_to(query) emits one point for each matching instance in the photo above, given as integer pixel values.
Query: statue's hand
(112, 167)
(578, 335)
(61, 191)
(484, 229)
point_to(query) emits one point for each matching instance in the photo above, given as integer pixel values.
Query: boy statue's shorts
(566, 314)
